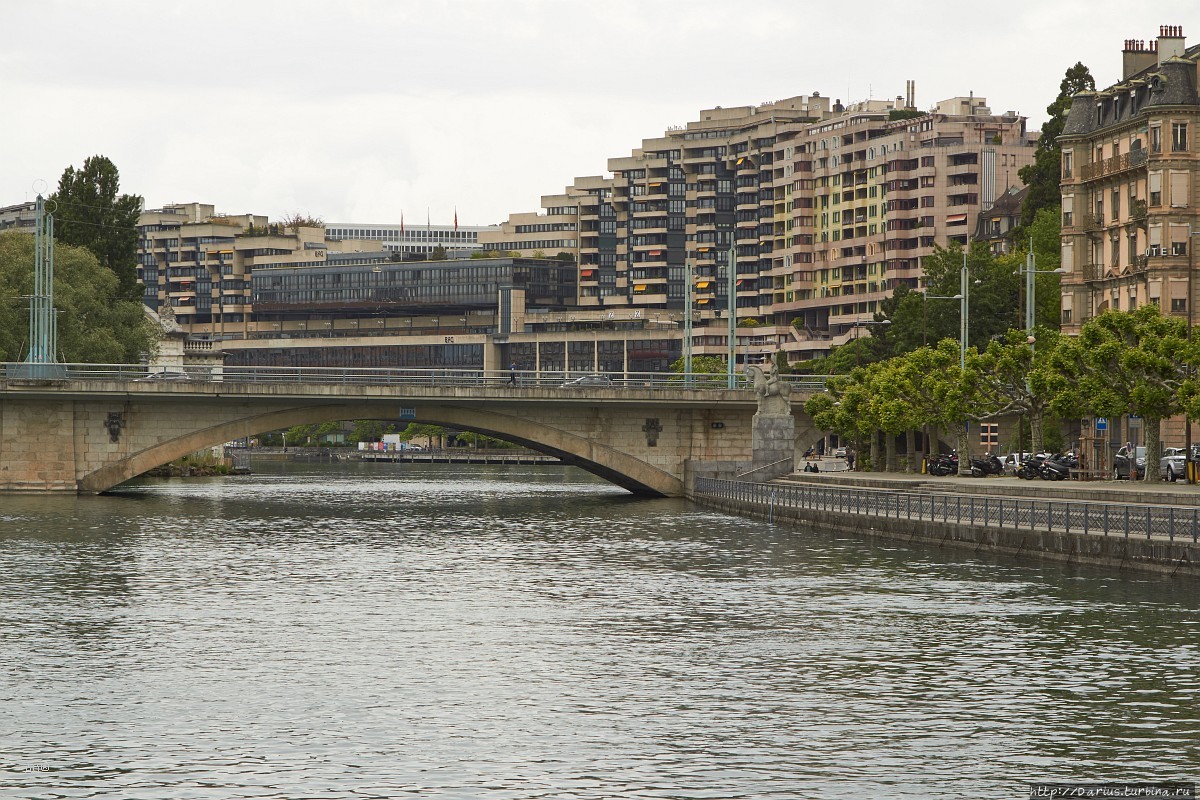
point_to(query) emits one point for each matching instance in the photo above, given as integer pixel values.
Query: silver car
(1173, 464)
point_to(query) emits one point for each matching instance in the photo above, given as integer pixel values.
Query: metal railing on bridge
(384, 376)
(1065, 516)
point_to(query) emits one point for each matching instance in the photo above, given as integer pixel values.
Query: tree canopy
(96, 322)
(1043, 175)
(89, 212)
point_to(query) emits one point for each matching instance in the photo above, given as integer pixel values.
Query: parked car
(1173, 464)
(589, 380)
(167, 375)
(1121, 463)
(1013, 461)
(838, 452)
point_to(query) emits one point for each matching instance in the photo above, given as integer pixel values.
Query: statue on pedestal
(774, 395)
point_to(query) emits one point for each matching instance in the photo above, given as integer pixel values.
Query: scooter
(987, 464)
(1058, 467)
(1031, 467)
(943, 464)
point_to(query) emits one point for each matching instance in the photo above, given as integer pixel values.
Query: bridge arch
(599, 458)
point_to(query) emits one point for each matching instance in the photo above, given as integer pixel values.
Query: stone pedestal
(773, 440)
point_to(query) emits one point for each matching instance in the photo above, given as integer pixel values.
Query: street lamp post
(1189, 468)
(925, 311)
(687, 324)
(731, 300)
(1030, 271)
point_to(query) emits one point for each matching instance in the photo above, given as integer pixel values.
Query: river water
(382, 631)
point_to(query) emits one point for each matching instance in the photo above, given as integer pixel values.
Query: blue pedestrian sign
(1101, 423)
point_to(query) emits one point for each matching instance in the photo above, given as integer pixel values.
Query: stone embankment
(1140, 527)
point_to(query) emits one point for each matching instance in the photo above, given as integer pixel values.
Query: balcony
(1113, 166)
(1094, 272)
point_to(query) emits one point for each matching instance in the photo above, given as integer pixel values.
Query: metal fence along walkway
(1172, 523)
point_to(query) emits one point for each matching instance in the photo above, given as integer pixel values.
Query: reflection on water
(361, 631)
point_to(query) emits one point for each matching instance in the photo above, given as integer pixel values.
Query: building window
(1068, 162)
(1178, 305)
(1155, 139)
(1066, 316)
(1179, 138)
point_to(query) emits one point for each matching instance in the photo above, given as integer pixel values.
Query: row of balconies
(1111, 166)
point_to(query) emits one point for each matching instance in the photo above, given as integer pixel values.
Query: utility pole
(42, 359)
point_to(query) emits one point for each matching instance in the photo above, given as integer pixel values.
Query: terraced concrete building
(821, 208)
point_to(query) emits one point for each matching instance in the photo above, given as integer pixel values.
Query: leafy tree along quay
(89, 212)
(96, 322)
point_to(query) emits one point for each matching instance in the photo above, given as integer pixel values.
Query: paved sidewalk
(1125, 492)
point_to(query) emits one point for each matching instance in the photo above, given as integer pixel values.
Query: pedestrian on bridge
(512, 373)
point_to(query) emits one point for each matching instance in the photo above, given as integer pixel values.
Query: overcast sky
(360, 110)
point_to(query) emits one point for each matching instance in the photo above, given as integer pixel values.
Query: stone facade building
(1130, 177)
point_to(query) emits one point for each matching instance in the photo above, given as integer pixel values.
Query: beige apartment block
(822, 208)
(1130, 166)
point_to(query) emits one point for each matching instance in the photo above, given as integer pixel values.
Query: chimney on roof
(1136, 57)
(1170, 42)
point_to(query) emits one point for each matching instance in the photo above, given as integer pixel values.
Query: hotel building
(1130, 177)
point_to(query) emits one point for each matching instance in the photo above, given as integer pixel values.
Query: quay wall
(1177, 559)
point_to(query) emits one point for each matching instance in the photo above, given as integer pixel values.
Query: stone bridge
(89, 435)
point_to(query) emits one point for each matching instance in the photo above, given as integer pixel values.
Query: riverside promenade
(1139, 526)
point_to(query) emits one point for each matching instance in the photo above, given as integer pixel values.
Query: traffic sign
(1101, 423)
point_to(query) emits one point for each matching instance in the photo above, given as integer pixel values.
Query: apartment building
(21, 216)
(821, 208)
(1130, 177)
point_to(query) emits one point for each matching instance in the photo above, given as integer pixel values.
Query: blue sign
(408, 413)
(1101, 423)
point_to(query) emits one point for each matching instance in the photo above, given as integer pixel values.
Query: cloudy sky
(361, 110)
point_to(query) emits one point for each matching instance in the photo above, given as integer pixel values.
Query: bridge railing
(385, 376)
(1068, 516)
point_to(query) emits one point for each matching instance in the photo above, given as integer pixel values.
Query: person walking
(512, 374)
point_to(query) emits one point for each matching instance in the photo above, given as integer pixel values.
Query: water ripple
(534, 633)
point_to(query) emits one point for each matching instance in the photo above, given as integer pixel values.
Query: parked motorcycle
(1058, 467)
(943, 464)
(987, 464)
(1032, 467)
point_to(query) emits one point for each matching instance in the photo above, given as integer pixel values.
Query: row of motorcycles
(1048, 466)
(947, 464)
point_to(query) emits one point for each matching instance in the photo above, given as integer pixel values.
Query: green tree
(706, 364)
(993, 293)
(1043, 175)
(96, 324)
(1023, 378)
(369, 430)
(438, 254)
(90, 213)
(1132, 362)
